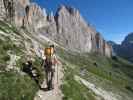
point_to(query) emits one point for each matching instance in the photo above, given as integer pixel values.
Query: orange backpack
(49, 51)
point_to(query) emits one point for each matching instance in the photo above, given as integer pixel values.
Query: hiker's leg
(52, 79)
(47, 79)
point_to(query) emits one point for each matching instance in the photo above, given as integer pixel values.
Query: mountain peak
(125, 48)
(112, 43)
(128, 38)
(69, 9)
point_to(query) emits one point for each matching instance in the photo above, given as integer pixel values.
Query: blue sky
(113, 18)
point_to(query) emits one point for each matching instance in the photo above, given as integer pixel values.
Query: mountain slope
(125, 49)
(84, 73)
(106, 78)
(15, 48)
(89, 75)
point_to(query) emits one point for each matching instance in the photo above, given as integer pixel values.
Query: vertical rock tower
(2, 10)
(7, 8)
(75, 33)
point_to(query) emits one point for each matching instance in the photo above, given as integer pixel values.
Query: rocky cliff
(2, 10)
(75, 33)
(67, 27)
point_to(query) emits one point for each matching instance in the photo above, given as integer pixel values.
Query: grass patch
(73, 90)
(14, 86)
(104, 68)
(116, 72)
(5, 46)
(6, 28)
(38, 65)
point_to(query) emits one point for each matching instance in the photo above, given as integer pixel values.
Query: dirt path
(54, 94)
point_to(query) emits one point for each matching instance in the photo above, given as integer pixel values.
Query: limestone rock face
(2, 10)
(67, 27)
(28, 15)
(7, 10)
(108, 50)
(33, 16)
(73, 31)
(49, 27)
(20, 11)
(76, 34)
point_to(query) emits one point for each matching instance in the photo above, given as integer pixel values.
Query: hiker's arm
(56, 61)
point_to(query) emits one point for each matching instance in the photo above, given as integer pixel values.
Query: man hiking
(49, 65)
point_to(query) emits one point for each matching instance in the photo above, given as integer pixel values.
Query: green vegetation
(111, 74)
(74, 90)
(7, 28)
(3, 48)
(14, 86)
(100, 65)
(7, 46)
(40, 70)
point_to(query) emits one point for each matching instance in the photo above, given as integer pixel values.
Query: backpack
(48, 51)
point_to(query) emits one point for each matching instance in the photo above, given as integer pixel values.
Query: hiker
(31, 71)
(49, 65)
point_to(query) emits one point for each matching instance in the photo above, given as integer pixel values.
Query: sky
(112, 18)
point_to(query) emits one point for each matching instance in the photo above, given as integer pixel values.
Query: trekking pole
(57, 73)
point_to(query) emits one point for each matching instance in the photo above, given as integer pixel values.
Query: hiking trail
(56, 93)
